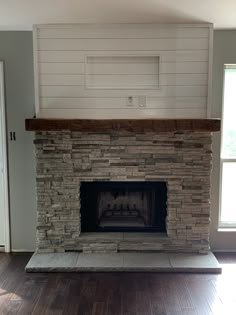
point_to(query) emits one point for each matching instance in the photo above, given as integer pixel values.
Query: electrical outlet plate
(132, 101)
(137, 101)
(142, 101)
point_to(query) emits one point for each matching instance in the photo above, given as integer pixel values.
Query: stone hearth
(181, 159)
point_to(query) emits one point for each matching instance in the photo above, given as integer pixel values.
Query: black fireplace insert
(123, 206)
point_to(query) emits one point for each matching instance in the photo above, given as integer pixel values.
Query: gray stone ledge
(120, 262)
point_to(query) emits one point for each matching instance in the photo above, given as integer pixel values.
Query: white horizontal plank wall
(122, 70)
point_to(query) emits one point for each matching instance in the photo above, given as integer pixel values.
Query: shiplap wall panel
(81, 91)
(119, 44)
(61, 79)
(138, 68)
(165, 79)
(123, 31)
(118, 102)
(166, 56)
(127, 113)
(167, 67)
(77, 78)
(125, 81)
(123, 68)
(59, 67)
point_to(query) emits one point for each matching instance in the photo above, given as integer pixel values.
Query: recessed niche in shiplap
(122, 71)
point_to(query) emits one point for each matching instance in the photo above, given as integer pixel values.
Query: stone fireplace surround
(65, 158)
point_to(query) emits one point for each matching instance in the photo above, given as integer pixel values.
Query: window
(228, 150)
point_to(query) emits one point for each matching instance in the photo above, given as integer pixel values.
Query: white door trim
(5, 169)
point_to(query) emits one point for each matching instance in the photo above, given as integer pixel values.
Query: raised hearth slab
(119, 262)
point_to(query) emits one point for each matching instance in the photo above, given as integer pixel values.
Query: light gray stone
(194, 262)
(118, 262)
(143, 261)
(52, 262)
(95, 262)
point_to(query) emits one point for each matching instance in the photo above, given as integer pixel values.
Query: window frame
(223, 160)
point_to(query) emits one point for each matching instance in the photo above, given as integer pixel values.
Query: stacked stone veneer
(65, 158)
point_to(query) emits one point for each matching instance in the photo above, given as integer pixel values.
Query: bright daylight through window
(228, 150)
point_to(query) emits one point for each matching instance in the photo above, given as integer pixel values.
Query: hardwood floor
(115, 293)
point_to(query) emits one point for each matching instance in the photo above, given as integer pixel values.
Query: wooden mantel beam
(133, 125)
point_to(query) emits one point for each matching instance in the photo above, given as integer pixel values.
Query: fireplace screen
(123, 206)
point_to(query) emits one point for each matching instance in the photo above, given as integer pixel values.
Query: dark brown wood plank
(114, 297)
(45, 300)
(99, 308)
(10, 279)
(30, 290)
(60, 296)
(143, 302)
(157, 295)
(5, 259)
(198, 290)
(87, 296)
(128, 293)
(130, 125)
(72, 303)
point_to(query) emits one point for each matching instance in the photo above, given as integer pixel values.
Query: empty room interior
(117, 157)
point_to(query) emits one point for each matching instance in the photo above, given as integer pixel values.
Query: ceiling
(22, 14)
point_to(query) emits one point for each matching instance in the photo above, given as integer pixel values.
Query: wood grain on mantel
(134, 125)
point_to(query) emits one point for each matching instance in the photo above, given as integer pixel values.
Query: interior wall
(224, 51)
(16, 51)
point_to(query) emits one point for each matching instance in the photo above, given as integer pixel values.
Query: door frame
(5, 164)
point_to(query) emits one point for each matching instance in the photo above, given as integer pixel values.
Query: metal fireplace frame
(89, 193)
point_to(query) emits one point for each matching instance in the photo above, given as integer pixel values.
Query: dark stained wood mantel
(133, 125)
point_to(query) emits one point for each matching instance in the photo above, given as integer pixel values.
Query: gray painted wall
(17, 53)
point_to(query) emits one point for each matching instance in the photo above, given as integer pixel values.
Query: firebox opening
(123, 206)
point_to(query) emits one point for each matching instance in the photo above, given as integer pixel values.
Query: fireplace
(111, 206)
(124, 170)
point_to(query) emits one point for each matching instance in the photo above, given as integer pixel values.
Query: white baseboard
(22, 250)
(223, 250)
